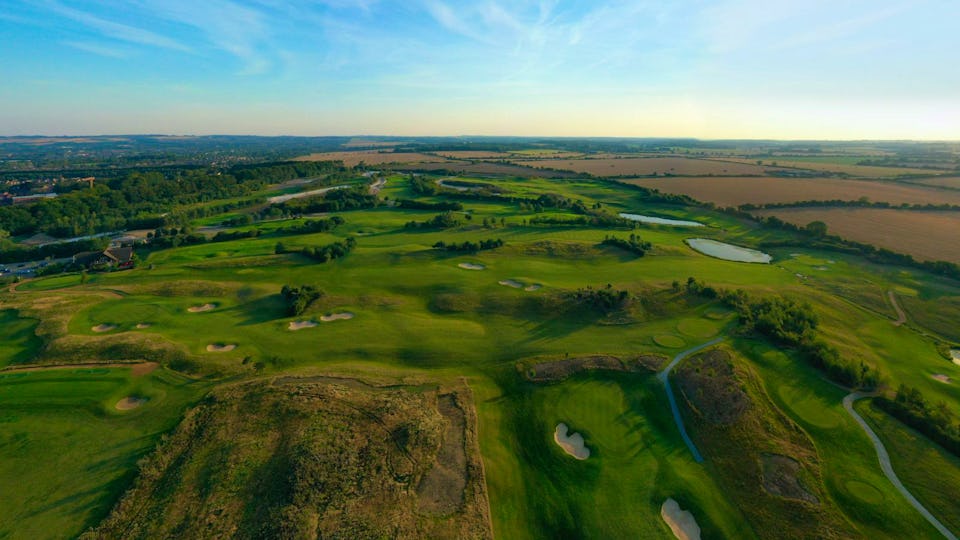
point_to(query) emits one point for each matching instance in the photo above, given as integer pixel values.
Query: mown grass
(18, 339)
(68, 453)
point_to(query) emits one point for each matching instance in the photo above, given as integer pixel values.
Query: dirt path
(377, 186)
(884, 459)
(664, 377)
(901, 316)
(284, 198)
(137, 369)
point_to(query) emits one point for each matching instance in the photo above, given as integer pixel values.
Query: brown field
(372, 157)
(753, 190)
(925, 235)
(865, 171)
(486, 168)
(648, 166)
(472, 154)
(952, 182)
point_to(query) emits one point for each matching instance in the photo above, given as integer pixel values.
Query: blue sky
(808, 69)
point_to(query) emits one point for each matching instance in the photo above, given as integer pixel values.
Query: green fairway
(68, 449)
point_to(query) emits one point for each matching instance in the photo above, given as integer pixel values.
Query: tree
(817, 228)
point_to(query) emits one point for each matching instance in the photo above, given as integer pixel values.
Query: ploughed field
(413, 386)
(930, 236)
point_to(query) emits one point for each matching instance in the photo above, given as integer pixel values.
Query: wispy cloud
(115, 30)
(99, 48)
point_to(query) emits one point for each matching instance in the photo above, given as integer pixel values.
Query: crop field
(925, 235)
(744, 190)
(373, 157)
(845, 166)
(951, 182)
(630, 166)
(399, 394)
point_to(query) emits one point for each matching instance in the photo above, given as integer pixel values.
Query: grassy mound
(311, 458)
(765, 462)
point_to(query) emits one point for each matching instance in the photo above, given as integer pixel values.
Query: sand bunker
(215, 347)
(572, 443)
(681, 522)
(511, 283)
(300, 325)
(472, 266)
(200, 309)
(955, 356)
(141, 326)
(104, 327)
(130, 402)
(533, 287)
(941, 377)
(337, 316)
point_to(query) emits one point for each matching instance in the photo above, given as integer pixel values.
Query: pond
(659, 220)
(728, 252)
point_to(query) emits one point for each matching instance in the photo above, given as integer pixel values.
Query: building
(114, 257)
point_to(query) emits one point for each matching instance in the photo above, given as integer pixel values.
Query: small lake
(728, 252)
(659, 220)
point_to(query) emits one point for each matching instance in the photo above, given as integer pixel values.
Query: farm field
(747, 190)
(260, 399)
(373, 157)
(952, 182)
(925, 235)
(847, 166)
(648, 166)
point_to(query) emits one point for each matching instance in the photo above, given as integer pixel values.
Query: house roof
(120, 254)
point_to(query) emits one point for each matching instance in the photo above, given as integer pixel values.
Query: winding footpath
(901, 316)
(664, 377)
(884, 458)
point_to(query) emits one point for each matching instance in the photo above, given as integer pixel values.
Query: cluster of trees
(322, 254)
(605, 300)
(470, 247)
(863, 202)
(313, 226)
(298, 299)
(12, 253)
(634, 244)
(141, 199)
(338, 200)
(935, 421)
(445, 220)
(426, 205)
(792, 324)
(422, 185)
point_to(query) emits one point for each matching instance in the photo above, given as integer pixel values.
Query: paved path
(901, 316)
(664, 377)
(884, 458)
(284, 198)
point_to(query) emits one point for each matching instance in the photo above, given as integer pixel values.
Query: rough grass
(739, 430)
(18, 339)
(310, 458)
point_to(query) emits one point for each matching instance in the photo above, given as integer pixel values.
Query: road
(664, 377)
(284, 198)
(884, 458)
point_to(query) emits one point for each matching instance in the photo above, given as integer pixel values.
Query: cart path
(884, 459)
(664, 377)
(901, 316)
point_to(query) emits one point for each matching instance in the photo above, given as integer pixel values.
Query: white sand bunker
(511, 283)
(300, 325)
(104, 327)
(941, 377)
(955, 356)
(216, 347)
(130, 402)
(472, 266)
(572, 443)
(337, 316)
(141, 326)
(200, 309)
(681, 522)
(533, 287)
